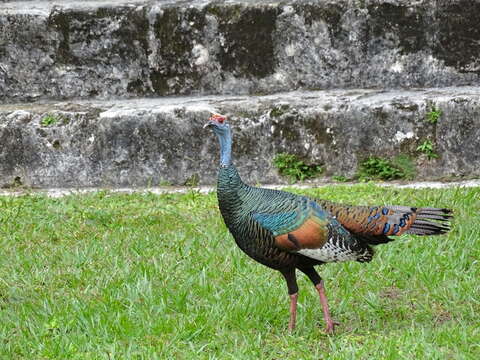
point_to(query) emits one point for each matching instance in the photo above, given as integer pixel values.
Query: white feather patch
(329, 253)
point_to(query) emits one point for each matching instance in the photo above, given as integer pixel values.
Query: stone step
(104, 49)
(162, 190)
(151, 142)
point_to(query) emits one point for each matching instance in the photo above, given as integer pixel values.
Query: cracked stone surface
(124, 49)
(150, 142)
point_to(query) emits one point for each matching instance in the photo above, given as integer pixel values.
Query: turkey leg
(293, 311)
(291, 279)
(318, 282)
(326, 312)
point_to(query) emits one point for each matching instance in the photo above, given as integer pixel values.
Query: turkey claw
(331, 327)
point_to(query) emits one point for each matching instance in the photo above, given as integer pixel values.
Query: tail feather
(375, 224)
(427, 223)
(434, 217)
(431, 221)
(435, 210)
(438, 214)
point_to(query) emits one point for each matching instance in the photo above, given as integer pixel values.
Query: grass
(111, 276)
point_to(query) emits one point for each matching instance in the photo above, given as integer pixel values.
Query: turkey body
(238, 203)
(247, 209)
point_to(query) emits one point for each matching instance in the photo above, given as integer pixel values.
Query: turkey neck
(225, 139)
(231, 193)
(230, 186)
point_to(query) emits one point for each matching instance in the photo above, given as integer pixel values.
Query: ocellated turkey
(286, 232)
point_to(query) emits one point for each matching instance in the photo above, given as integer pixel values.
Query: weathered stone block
(155, 141)
(105, 49)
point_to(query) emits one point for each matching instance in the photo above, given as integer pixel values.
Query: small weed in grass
(376, 168)
(433, 115)
(427, 148)
(290, 165)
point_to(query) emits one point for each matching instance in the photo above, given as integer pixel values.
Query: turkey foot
(331, 326)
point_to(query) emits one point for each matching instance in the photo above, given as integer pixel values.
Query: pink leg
(293, 311)
(326, 312)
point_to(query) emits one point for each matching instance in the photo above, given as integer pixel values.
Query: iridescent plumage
(286, 232)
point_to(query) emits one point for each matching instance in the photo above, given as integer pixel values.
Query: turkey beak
(208, 124)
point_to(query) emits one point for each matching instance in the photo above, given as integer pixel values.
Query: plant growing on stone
(407, 166)
(163, 182)
(192, 181)
(48, 120)
(428, 149)
(433, 115)
(290, 165)
(340, 178)
(376, 168)
(278, 111)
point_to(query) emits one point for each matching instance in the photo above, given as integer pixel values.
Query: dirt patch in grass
(442, 317)
(392, 293)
